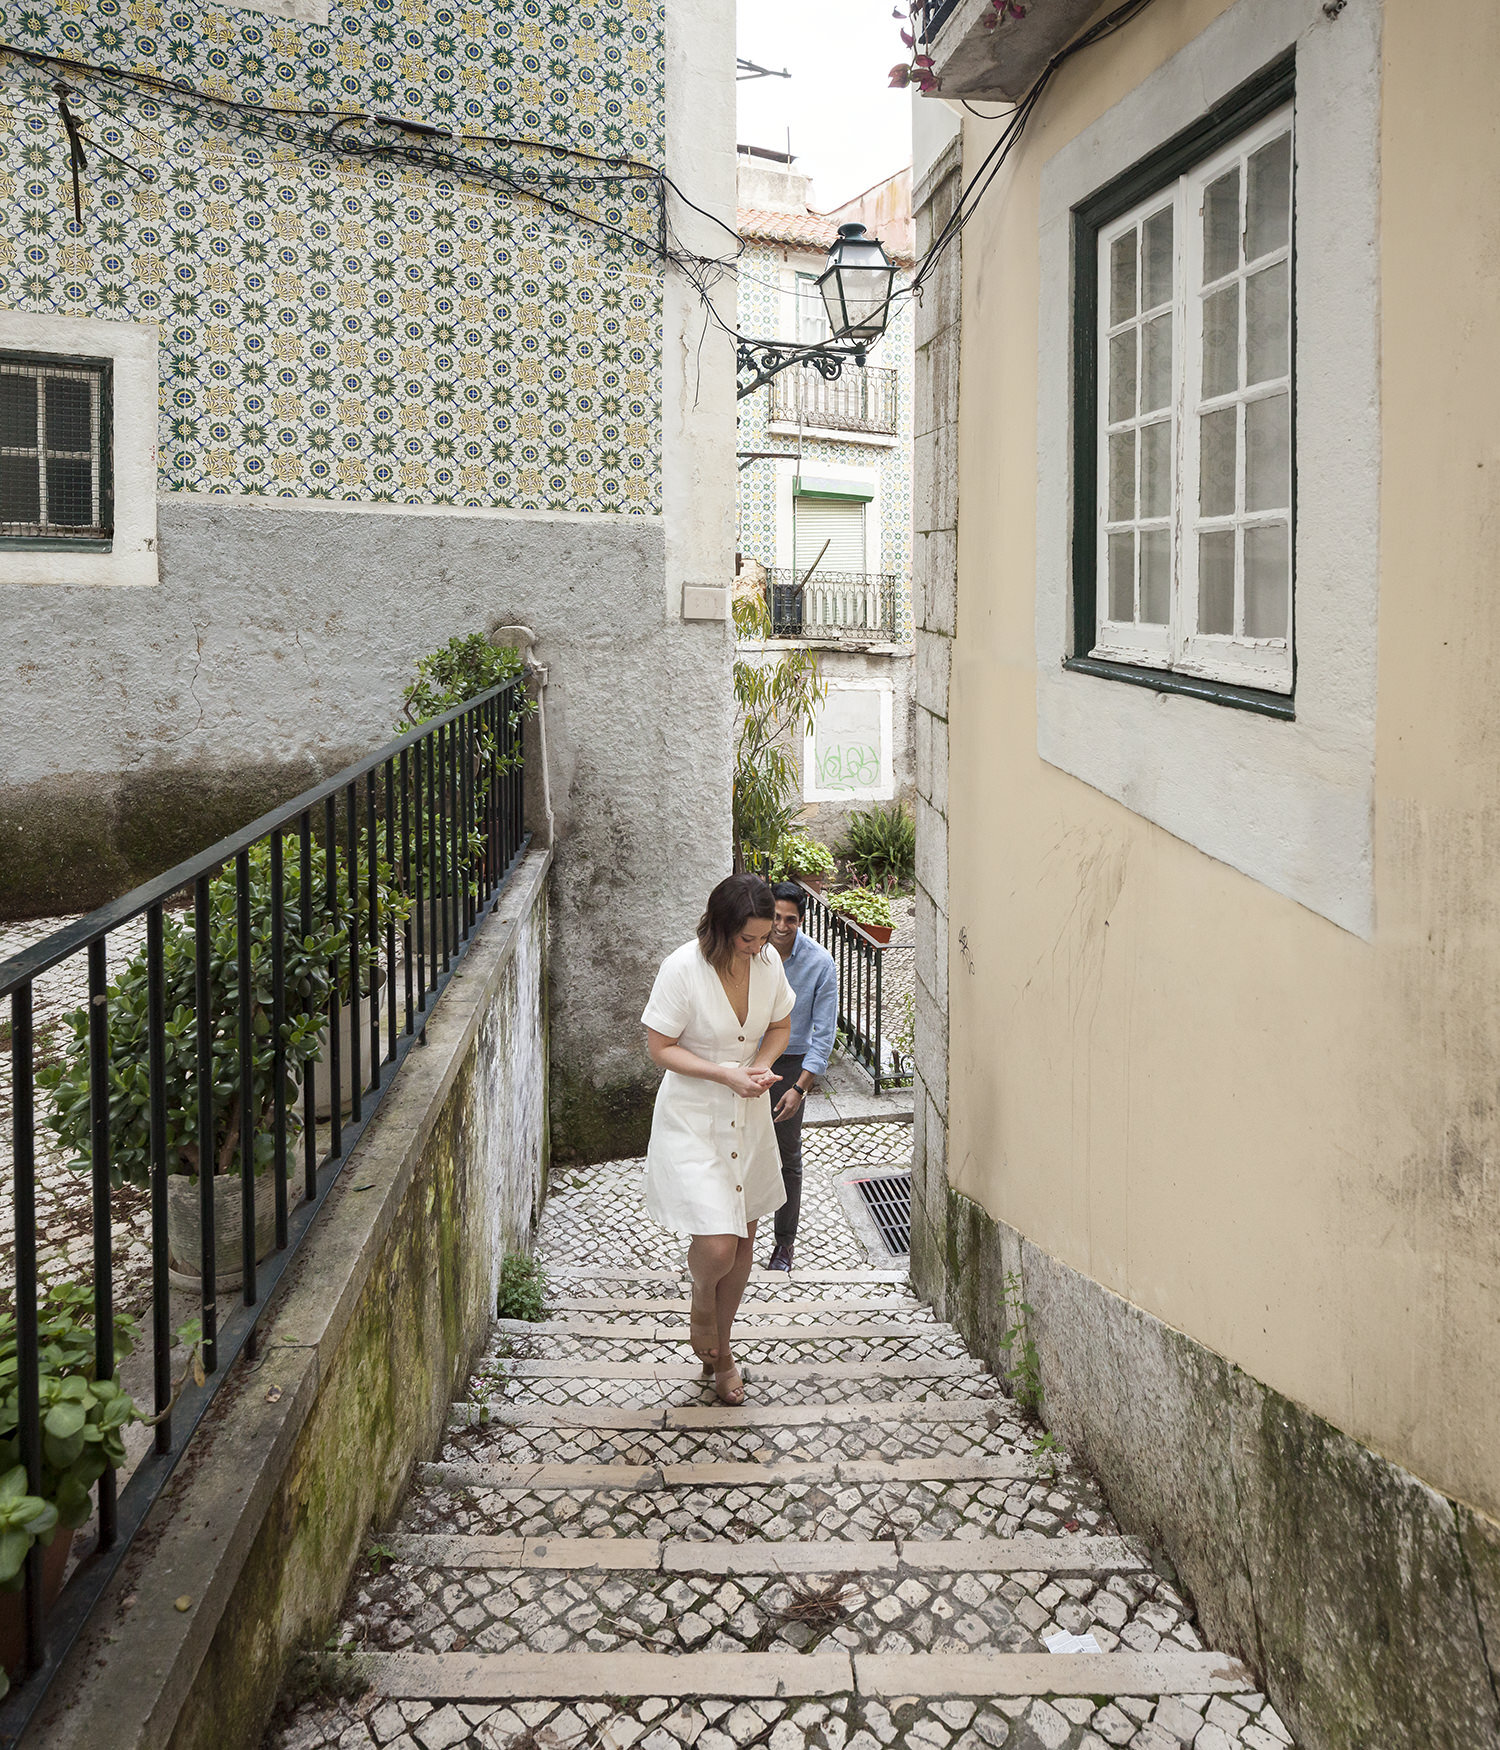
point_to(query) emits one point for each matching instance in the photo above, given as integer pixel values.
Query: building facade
(825, 488)
(363, 338)
(1206, 1026)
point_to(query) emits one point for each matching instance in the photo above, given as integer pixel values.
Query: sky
(849, 129)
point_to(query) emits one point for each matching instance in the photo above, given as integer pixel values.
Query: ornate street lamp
(856, 291)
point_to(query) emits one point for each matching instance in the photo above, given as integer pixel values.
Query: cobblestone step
(864, 1556)
(993, 1555)
(745, 1332)
(636, 1477)
(939, 1369)
(495, 1677)
(782, 1308)
(710, 1416)
(759, 1275)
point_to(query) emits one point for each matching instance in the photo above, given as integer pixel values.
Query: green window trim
(831, 489)
(1249, 103)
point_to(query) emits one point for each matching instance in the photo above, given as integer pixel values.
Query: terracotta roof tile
(811, 230)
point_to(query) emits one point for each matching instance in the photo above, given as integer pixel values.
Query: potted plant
(871, 911)
(316, 957)
(83, 1423)
(880, 845)
(800, 857)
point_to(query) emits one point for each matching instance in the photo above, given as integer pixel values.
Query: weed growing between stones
(523, 1289)
(1024, 1375)
(324, 1676)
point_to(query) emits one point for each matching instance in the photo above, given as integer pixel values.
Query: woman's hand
(749, 1084)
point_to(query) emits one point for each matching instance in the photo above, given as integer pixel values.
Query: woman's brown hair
(731, 905)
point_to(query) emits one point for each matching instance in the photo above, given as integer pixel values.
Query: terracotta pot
(12, 1605)
(813, 883)
(880, 933)
(184, 1229)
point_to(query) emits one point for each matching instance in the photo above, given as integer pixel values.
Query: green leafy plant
(798, 853)
(774, 697)
(881, 845)
(83, 1423)
(523, 1289)
(317, 959)
(461, 670)
(1024, 1375)
(862, 906)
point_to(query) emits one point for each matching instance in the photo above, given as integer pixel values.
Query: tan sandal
(729, 1387)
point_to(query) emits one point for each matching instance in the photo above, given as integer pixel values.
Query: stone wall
(935, 593)
(376, 1328)
(1368, 1602)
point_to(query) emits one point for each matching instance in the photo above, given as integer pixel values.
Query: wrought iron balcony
(860, 400)
(861, 607)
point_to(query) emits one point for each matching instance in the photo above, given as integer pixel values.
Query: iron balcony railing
(856, 606)
(858, 400)
(937, 14)
(864, 1010)
(204, 1050)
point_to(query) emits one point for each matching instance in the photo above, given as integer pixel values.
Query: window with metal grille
(55, 483)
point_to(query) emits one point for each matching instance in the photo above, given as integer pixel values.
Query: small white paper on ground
(1066, 1643)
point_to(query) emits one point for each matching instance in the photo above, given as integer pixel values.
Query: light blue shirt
(814, 980)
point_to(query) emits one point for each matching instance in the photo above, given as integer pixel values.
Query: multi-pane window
(1194, 420)
(812, 312)
(54, 449)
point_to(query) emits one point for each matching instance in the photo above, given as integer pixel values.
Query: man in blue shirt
(815, 1023)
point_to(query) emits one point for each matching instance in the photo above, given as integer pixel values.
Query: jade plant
(461, 670)
(317, 959)
(798, 853)
(862, 907)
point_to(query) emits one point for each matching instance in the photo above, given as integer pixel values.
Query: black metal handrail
(432, 828)
(860, 960)
(852, 606)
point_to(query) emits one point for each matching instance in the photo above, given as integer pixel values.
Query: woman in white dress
(718, 1018)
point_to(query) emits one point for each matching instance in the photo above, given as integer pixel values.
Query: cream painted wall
(1273, 1135)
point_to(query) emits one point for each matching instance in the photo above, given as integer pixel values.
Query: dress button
(742, 1038)
(739, 1187)
(733, 1156)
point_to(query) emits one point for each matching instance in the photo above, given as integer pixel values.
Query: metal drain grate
(888, 1200)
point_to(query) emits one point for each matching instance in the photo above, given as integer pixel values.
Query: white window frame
(1264, 663)
(885, 790)
(129, 557)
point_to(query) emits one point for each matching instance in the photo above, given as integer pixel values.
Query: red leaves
(918, 71)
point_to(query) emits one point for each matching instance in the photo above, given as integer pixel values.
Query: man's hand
(789, 1105)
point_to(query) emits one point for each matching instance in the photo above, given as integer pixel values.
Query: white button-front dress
(712, 1166)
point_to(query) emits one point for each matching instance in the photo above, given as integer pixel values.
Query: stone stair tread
(1050, 1555)
(483, 1677)
(1023, 1674)
(500, 1413)
(729, 1473)
(938, 1368)
(508, 1676)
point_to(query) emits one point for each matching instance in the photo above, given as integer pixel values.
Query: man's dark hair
(793, 893)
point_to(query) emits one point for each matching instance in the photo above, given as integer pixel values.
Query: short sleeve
(785, 998)
(671, 1003)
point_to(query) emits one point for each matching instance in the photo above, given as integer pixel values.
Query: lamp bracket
(765, 359)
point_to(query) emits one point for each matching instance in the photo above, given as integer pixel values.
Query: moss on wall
(1367, 1602)
(74, 843)
(596, 1121)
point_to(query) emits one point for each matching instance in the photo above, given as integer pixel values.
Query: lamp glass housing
(856, 286)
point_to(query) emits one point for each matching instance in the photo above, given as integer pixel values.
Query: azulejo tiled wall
(761, 313)
(347, 326)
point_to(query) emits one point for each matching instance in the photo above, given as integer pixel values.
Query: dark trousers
(789, 1142)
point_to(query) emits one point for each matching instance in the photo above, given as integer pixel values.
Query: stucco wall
(1266, 1132)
